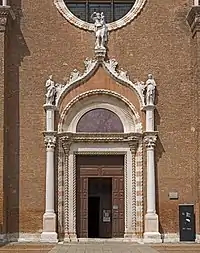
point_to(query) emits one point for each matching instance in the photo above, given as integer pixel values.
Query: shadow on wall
(159, 150)
(15, 50)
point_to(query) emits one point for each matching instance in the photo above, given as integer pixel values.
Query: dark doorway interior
(93, 216)
(99, 204)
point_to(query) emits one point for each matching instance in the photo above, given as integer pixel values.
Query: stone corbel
(6, 13)
(193, 19)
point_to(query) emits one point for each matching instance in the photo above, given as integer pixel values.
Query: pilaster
(6, 15)
(130, 230)
(193, 19)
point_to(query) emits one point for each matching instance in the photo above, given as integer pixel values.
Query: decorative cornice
(5, 13)
(132, 14)
(193, 19)
(50, 139)
(99, 137)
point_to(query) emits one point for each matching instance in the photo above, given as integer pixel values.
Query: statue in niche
(51, 91)
(101, 30)
(150, 90)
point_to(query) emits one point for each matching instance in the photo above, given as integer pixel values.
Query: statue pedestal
(100, 53)
(49, 228)
(151, 234)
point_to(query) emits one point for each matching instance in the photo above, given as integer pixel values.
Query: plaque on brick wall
(173, 195)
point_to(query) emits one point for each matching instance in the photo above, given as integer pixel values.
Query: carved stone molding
(5, 13)
(131, 15)
(99, 137)
(91, 65)
(50, 140)
(193, 19)
(78, 98)
(150, 140)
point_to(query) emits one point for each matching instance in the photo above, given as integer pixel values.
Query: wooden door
(118, 207)
(82, 228)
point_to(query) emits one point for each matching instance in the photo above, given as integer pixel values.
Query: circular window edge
(135, 10)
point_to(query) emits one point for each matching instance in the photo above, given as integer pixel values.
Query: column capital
(50, 139)
(150, 141)
(5, 13)
(66, 143)
(193, 19)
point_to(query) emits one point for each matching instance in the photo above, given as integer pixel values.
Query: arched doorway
(105, 128)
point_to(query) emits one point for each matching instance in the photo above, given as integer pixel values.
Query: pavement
(99, 247)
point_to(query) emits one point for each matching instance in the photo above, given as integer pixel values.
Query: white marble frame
(132, 185)
(131, 15)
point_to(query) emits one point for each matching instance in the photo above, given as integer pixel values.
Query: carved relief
(150, 141)
(50, 141)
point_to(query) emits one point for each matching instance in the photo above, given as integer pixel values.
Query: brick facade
(41, 42)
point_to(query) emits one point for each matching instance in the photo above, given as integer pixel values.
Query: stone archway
(68, 99)
(128, 143)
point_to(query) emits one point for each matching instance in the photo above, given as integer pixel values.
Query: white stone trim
(126, 111)
(131, 15)
(110, 67)
(69, 211)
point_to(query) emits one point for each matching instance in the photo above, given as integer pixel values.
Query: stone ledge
(193, 19)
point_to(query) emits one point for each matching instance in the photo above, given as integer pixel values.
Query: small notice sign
(106, 215)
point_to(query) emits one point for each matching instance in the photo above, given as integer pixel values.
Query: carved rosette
(150, 141)
(50, 141)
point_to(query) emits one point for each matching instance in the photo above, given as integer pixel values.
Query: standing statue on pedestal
(51, 91)
(100, 30)
(150, 90)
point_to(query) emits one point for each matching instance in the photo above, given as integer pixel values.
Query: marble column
(151, 233)
(49, 218)
(4, 2)
(6, 18)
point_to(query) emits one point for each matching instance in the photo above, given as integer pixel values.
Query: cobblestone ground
(96, 247)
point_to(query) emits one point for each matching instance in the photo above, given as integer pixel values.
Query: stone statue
(100, 30)
(150, 90)
(51, 91)
(75, 74)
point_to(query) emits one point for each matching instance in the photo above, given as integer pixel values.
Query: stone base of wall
(36, 237)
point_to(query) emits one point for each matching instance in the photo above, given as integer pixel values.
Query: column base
(152, 237)
(49, 228)
(50, 237)
(151, 222)
(151, 233)
(70, 237)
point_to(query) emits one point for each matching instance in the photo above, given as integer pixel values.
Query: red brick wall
(158, 42)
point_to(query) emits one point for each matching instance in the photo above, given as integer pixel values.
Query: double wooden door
(113, 224)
